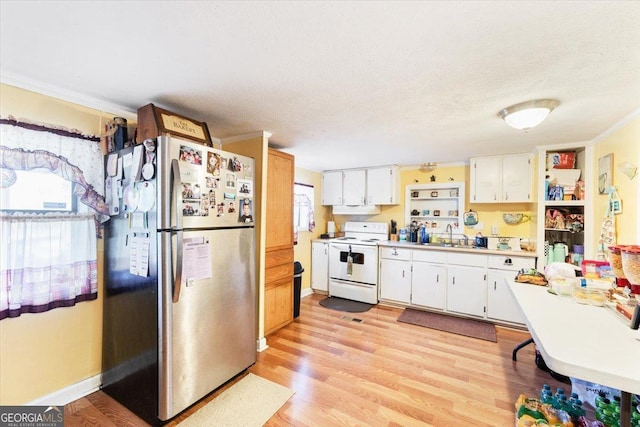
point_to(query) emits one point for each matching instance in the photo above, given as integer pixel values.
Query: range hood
(356, 210)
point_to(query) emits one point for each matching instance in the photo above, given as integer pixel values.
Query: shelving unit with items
(435, 206)
(565, 204)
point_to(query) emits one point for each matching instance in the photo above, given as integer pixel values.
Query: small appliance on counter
(503, 243)
(331, 229)
(481, 242)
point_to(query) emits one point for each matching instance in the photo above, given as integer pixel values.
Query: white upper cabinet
(332, 188)
(485, 180)
(501, 179)
(517, 178)
(382, 185)
(361, 187)
(354, 187)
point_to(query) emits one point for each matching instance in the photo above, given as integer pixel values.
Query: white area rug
(248, 403)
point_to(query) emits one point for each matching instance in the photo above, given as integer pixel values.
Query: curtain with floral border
(50, 260)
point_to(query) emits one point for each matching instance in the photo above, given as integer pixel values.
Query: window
(37, 190)
(303, 196)
(48, 242)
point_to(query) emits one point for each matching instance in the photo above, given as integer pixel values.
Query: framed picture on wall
(605, 173)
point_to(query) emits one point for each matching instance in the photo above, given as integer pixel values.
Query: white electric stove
(353, 261)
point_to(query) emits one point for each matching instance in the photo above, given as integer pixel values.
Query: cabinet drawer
(430, 256)
(514, 263)
(278, 257)
(395, 253)
(470, 260)
(278, 273)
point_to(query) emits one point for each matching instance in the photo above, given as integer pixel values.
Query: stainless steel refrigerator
(179, 284)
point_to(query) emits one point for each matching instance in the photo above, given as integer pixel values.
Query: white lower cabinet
(467, 283)
(320, 266)
(395, 275)
(500, 302)
(429, 285)
(429, 279)
(464, 283)
(466, 290)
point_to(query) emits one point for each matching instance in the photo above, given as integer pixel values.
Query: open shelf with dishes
(435, 206)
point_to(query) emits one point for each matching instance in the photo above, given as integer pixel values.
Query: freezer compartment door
(203, 187)
(209, 335)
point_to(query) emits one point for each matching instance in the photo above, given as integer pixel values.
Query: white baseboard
(306, 292)
(262, 344)
(69, 394)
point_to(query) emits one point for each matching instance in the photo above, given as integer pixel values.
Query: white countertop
(469, 249)
(582, 341)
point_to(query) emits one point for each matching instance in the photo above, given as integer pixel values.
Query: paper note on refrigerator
(196, 259)
(139, 254)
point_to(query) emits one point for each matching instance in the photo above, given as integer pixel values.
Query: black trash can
(297, 287)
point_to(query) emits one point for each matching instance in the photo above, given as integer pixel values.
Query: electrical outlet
(494, 230)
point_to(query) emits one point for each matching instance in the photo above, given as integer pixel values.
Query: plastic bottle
(424, 237)
(599, 398)
(563, 403)
(557, 397)
(577, 410)
(546, 395)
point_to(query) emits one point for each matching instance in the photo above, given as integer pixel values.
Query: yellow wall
(43, 353)
(302, 250)
(624, 143)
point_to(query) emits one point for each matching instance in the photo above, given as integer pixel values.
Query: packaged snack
(561, 160)
(590, 268)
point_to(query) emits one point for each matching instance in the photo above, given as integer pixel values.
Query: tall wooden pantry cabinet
(278, 298)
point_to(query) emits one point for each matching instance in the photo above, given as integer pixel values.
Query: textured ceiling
(340, 84)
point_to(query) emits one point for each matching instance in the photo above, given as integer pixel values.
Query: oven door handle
(349, 263)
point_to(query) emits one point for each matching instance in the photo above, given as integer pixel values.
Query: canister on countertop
(331, 229)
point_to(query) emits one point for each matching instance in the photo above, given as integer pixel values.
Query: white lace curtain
(49, 260)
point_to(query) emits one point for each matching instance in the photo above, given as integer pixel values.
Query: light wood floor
(378, 372)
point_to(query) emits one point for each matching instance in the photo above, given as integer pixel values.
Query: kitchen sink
(445, 245)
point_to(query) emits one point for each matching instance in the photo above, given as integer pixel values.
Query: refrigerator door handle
(176, 191)
(177, 228)
(177, 281)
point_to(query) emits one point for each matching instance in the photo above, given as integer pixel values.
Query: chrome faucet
(466, 239)
(449, 230)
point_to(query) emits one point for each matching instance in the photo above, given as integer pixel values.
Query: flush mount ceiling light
(528, 114)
